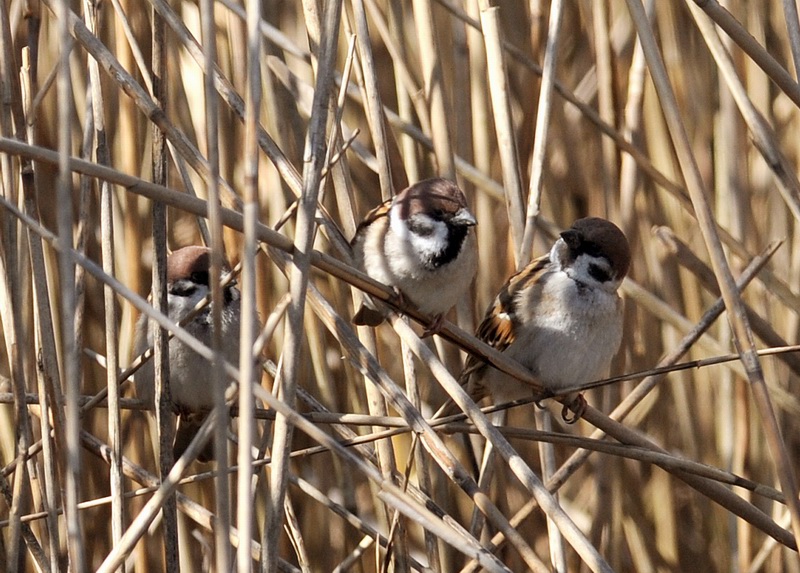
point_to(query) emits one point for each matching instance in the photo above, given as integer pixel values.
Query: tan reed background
(555, 111)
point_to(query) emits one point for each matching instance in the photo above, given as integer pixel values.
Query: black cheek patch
(599, 273)
(421, 229)
(455, 238)
(182, 288)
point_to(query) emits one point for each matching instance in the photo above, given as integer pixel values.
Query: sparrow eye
(183, 287)
(599, 273)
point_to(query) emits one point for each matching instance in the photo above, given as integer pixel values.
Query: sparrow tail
(188, 426)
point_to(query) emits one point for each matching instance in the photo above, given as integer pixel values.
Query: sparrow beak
(464, 217)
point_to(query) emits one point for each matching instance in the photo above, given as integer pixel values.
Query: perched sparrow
(191, 390)
(420, 243)
(560, 317)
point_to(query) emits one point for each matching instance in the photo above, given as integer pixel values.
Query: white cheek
(431, 245)
(580, 272)
(425, 247)
(180, 306)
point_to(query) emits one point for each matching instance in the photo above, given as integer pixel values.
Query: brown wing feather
(498, 326)
(381, 210)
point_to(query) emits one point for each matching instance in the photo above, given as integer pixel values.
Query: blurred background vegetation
(593, 139)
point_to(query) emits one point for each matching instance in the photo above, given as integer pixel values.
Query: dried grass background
(552, 113)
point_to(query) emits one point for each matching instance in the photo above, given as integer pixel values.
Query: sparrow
(191, 389)
(420, 243)
(561, 316)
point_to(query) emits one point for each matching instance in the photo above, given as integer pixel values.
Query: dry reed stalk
(515, 462)
(107, 230)
(212, 141)
(374, 107)
(376, 403)
(703, 272)
(540, 135)
(407, 103)
(192, 509)
(71, 366)
(430, 55)
(20, 498)
(433, 444)
(506, 142)
(165, 419)
(47, 374)
(314, 157)
(250, 209)
(787, 181)
(746, 42)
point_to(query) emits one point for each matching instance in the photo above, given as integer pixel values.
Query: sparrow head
(188, 279)
(594, 252)
(433, 217)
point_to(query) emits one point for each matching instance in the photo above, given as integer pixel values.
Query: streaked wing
(378, 212)
(499, 325)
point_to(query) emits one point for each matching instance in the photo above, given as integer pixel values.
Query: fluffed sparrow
(560, 317)
(190, 384)
(421, 243)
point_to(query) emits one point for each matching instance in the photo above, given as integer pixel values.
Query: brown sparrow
(191, 390)
(560, 317)
(420, 243)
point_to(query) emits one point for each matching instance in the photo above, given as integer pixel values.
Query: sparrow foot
(545, 395)
(434, 327)
(574, 410)
(401, 299)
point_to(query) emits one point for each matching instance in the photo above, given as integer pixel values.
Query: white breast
(191, 376)
(394, 259)
(569, 339)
